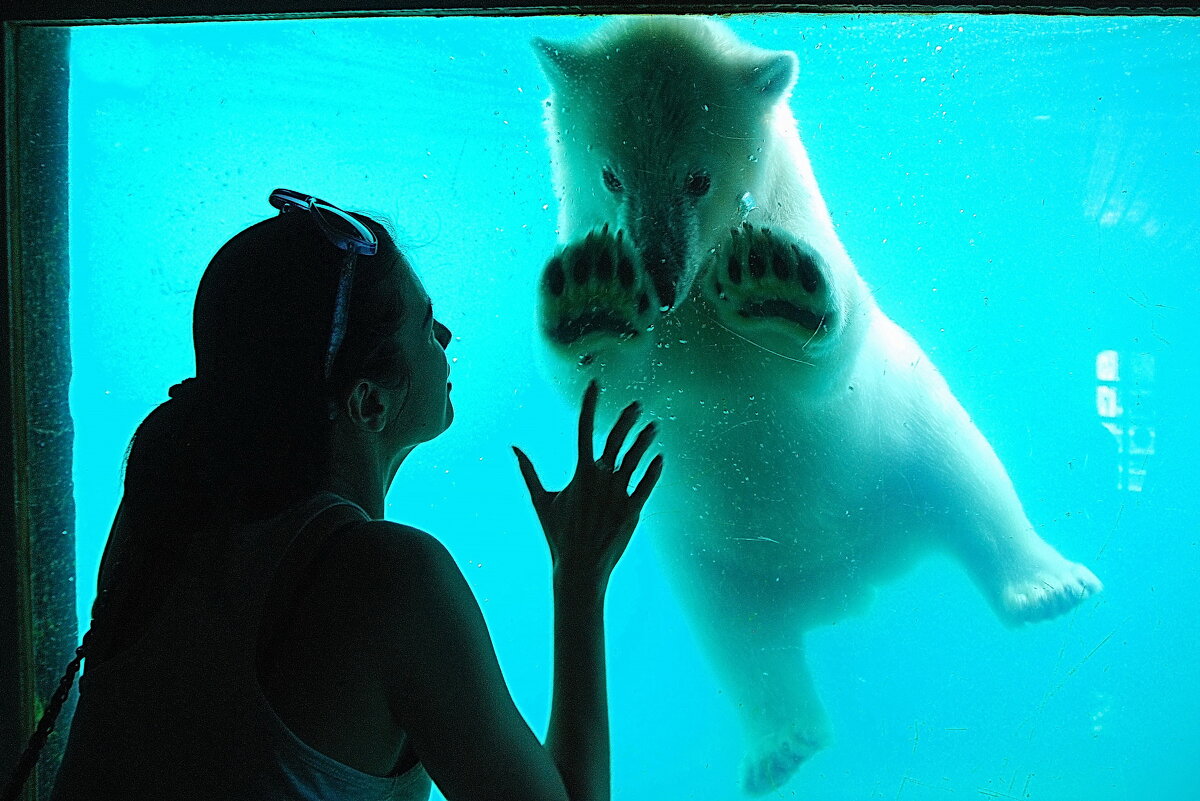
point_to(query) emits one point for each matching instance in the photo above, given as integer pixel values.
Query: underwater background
(1022, 194)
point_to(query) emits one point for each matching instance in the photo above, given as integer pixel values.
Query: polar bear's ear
(773, 76)
(558, 61)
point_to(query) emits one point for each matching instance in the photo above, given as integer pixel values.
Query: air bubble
(746, 204)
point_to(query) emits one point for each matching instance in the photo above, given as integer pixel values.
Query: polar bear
(815, 450)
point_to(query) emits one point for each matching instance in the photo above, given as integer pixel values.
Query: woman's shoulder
(387, 559)
(386, 535)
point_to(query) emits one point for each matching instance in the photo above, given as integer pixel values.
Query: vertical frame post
(37, 515)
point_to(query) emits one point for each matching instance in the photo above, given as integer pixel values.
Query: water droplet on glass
(747, 204)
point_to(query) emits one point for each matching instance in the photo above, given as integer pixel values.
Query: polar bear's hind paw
(772, 763)
(1048, 591)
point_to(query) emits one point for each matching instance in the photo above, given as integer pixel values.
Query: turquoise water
(1020, 192)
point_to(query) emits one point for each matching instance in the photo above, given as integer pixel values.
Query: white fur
(803, 467)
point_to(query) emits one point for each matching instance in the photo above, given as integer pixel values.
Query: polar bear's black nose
(664, 275)
(665, 288)
(662, 234)
(663, 260)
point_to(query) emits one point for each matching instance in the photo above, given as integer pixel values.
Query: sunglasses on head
(346, 233)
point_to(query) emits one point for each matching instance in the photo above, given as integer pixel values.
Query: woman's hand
(589, 522)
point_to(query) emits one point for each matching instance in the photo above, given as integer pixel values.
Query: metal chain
(45, 725)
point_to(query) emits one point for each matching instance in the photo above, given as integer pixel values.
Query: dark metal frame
(37, 548)
(36, 508)
(86, 12)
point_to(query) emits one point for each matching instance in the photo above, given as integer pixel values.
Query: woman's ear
(367, 406)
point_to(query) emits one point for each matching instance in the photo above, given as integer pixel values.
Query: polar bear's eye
(698, 184)
(612, 181)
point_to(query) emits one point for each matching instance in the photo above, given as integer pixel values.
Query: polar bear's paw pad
(596, 286)
(1047, 591)
(768, 279)
(769, 766)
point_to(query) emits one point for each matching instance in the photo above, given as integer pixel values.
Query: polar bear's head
(660, 127)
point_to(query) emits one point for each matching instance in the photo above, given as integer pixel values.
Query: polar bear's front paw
(773, 760)
(771, 282)
(596, 289)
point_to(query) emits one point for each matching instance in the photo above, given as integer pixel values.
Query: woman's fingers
(634, 455)
(612, 447)
(642, 492)
(587, 422)
(620, 430)
(536, 490)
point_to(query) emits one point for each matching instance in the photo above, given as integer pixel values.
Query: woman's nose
(443, 335)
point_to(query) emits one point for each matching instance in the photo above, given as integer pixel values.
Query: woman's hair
(251, 434)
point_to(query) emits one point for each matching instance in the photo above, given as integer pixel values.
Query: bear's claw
(766, 280)
(596, 287)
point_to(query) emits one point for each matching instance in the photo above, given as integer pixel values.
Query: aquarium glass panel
(1013, 199)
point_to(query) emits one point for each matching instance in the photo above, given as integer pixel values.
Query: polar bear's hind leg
(747, 625)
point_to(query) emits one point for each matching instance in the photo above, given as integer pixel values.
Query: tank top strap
(320, 520)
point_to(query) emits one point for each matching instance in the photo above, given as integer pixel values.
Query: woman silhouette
(260, 632)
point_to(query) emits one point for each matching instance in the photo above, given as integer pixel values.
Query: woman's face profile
(427, 410)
